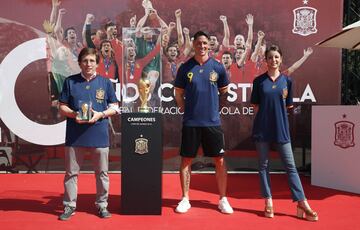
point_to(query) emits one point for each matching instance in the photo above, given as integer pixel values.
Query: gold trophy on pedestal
(144, 91)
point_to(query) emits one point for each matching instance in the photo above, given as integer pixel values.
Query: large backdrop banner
(40, 40)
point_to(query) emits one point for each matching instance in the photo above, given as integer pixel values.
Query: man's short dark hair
(108, 24)
(103, 42)
(88, 51)
(227, 52)
(201, 33)
(172, 45)
(67, 30)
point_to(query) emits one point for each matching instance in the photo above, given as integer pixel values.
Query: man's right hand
(89, 18)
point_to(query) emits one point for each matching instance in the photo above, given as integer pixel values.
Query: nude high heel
(306, 213)
(269, 211)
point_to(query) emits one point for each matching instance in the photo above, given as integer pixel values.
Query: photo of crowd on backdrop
(151, 39)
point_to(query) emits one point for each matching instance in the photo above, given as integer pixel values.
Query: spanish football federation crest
(344, 134)
(141, 145)
(304, 21)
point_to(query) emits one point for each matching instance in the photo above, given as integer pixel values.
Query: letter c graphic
(11, 115)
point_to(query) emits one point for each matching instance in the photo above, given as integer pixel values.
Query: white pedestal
(335, 154)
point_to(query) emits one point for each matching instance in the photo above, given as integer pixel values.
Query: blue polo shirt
(271, 122)
(100, 92)
(201, 84)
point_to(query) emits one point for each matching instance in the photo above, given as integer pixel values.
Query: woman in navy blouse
(272, 95)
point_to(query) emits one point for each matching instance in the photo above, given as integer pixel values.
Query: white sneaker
(224, 206)
(183, 206)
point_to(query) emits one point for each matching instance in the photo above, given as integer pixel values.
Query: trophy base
(144, 110)
(84, 119)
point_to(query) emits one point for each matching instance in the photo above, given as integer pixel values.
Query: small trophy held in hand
(85, 112)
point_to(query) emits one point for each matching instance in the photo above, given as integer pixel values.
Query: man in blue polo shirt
(200, 80)
(87, 136)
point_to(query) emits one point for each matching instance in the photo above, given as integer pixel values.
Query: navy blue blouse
(273, 97)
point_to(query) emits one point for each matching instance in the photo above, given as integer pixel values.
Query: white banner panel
(335, 154)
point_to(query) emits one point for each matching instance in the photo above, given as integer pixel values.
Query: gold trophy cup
(144, 90)
(85, 110)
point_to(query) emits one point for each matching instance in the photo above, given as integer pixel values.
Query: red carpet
(33, 201)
